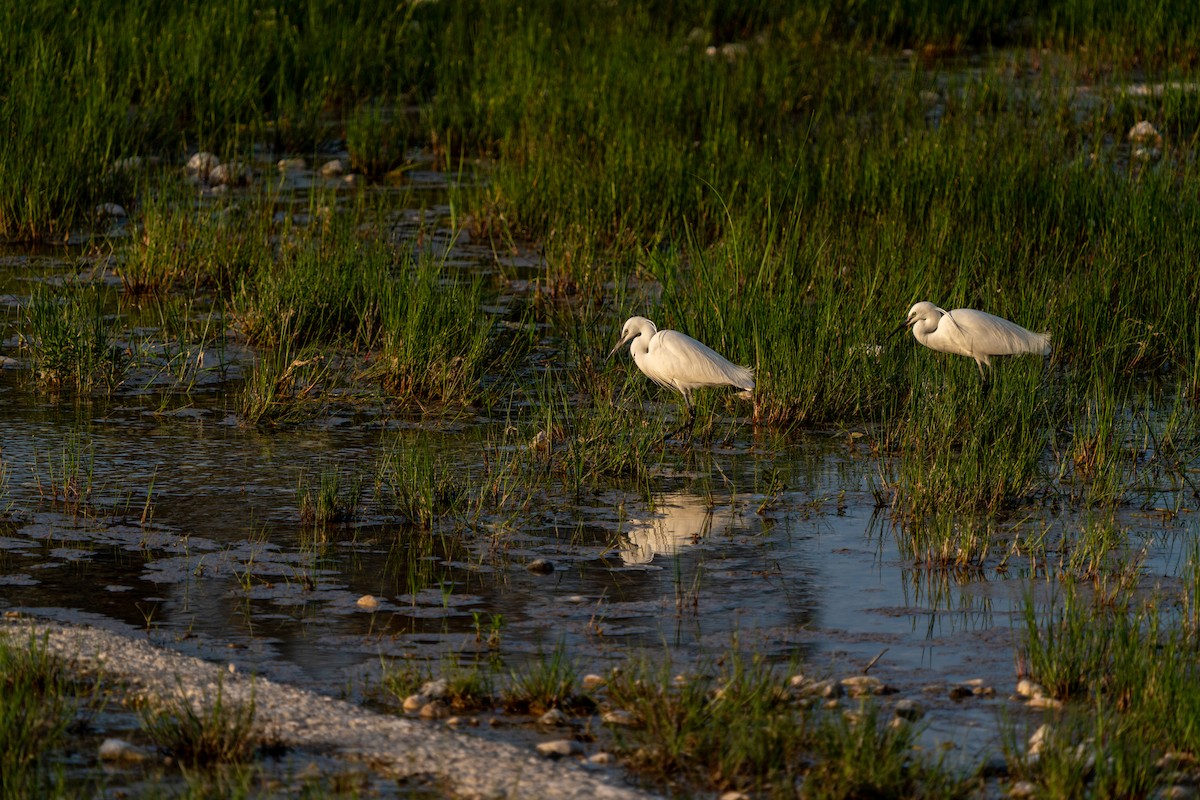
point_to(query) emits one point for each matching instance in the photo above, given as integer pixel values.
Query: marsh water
(165, 516)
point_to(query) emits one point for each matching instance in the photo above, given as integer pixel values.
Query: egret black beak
(901, 327)
(620, 344)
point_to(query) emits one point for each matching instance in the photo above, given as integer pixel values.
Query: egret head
(634, 327)
(923, 310)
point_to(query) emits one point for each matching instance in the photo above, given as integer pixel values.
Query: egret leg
(689, 425)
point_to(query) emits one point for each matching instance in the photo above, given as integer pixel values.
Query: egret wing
(995, 336)
(685, 363)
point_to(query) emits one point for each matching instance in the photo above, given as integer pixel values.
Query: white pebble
(592, 681)
(121, 750)
(560, 748)
(619, 716)
(554, 717)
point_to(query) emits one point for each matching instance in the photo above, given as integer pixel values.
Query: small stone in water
(861, 685)
(560, 748)
(619, 716)
(291, 165)
(601, 758)
(592, 681)
(435, 690)
(959, 692)
(231, 174)
(121, 750)
(333, 169)
(1039, 738)
(367, 602)
(201, 164)
(553, 717)
(1023, 789)
(1041, 701)
(1028, 688)
(909, 709)
(111, 210)
(540, 566)
(434, 710)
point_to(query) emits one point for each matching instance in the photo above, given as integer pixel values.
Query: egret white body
(968, 332)
(677, 361)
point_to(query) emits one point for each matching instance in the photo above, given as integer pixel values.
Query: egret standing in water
(677, 361)
(972, 333)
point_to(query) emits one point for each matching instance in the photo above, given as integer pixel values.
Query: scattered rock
(735, 796)
(826, 689)
(200, 165)
(592, 681)
(554, 717)
(415, 702)
(233, 173)
(126, 165)
(1022, 789)
(619, 716)
(1028, 688)
(367, 602)
(435, 690)
(119, 750)
(960, 692)
(291, 165)
(1039, 739)
(333, 169)
(434, 710)
(1146, 140)
(540, 566)
(863, 685)
(1041, 701)
(602, 758)
(1144, 132)
(560, 748)
(909, 709)
(984, 691)
(111, 210)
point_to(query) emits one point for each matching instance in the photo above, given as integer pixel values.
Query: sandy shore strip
(469, 766)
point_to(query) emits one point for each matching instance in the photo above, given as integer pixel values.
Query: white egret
(676, 361)
(972, 333)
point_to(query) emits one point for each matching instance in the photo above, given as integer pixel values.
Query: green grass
(201, 732)
(1128, 672)
(733, 726)
(38, 702)
(71, 341)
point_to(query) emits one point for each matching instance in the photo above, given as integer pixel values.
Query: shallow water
(189, 531)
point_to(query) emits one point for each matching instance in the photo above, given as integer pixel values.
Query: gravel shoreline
(470, 767)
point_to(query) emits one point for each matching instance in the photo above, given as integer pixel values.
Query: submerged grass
(71, 341)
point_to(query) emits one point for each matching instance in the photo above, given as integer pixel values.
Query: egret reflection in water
(676, 522)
